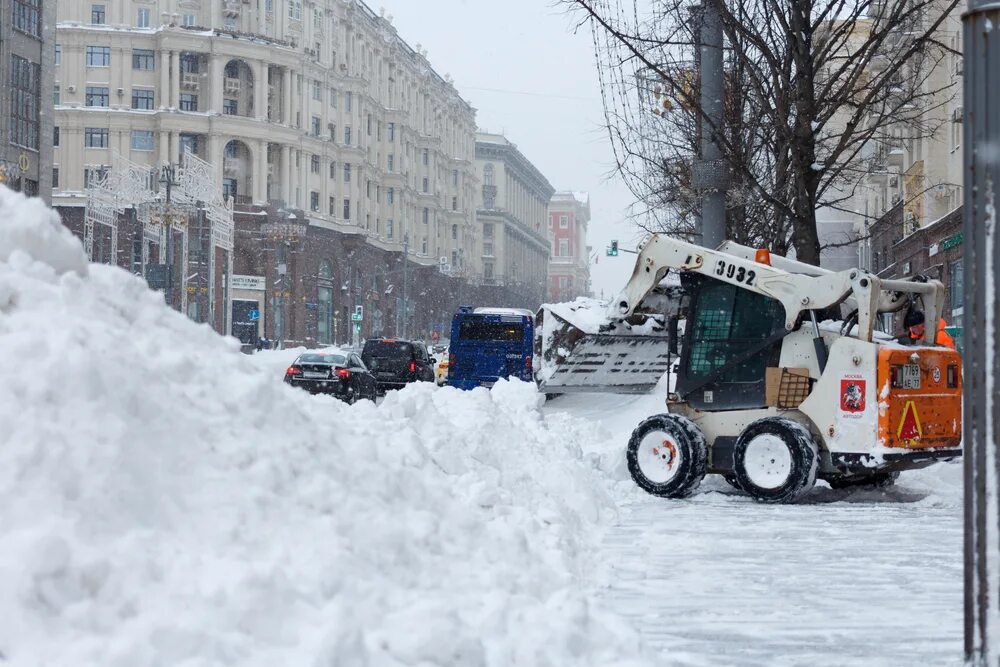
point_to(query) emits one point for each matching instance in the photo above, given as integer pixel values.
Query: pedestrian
(916, 329)
(260, 343)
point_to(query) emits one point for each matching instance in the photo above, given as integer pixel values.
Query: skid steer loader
(773, 388)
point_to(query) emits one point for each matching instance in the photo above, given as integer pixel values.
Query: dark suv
(395, 363)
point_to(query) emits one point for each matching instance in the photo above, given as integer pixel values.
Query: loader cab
(731, 336)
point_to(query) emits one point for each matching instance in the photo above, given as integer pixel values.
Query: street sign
(312, 306)
(253, 315)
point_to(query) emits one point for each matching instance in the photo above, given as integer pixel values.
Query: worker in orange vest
(914, 323)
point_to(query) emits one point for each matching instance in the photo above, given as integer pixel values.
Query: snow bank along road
(166, 500)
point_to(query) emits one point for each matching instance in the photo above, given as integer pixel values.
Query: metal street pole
(980, 332)
(406, 255)
(711, 170)
(167, 178)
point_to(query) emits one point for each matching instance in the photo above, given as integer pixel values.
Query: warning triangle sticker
(909, 425)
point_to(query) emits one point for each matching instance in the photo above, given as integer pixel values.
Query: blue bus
(488, 344)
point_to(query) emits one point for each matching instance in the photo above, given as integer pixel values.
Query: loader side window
(728, 322)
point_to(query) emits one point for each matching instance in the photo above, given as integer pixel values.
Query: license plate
(312, 375)
(910, 377)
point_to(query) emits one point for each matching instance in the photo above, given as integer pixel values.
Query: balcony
(232, 165)
(190, 80)
(231, 8)
(231, 86)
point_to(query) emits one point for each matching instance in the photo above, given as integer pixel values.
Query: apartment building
(569, 263)
(512, 220)
(26, 60)
(315, 115)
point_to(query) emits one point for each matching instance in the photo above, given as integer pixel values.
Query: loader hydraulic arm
(796, 292)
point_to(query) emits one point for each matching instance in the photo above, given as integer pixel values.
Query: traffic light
(613, 250)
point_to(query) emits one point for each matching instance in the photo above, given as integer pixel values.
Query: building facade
(512, 211)
(27, 55)
(569, 263)
(315, 116)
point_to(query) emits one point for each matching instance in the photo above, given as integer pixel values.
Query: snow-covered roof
(486, 310)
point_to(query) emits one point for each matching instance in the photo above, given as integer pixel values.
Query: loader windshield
(728, 323)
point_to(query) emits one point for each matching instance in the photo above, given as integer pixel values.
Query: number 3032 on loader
(770, 391)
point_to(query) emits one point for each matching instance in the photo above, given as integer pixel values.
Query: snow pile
(165, 501)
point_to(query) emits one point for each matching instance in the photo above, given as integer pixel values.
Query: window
(315, 126)
(454, 231)
(317, 92)
(347, 173)
(563, 248)
(142, 17)
(423, 246)
(563, 282)
(333, 206)
(368, 189)
(98, 56)
(391, 130)
(728, 323)
(426, 184)
(333, 132)
(96, 137)
(58, 54)
(487, 248)
(97, 96)
(390, 163)
(142, 99)
(488, 175)
(369, 123)
(388, 228)
(333, 170)
(314, 167)
(563, 222)
(314, 201)
(427, 157)
(55, 177)
(956, 287)
(142, 59)
(390, 196)
(295, 10)
(55, 95)
(347, 208)
(25, 101)
(55, 137)
(348, 100)
(26, 17)
(454, 177)
(454, 203)
(189, 102)
(426, 215)
(333, 98)
(92, 175)
(189, 144)
(190, 63)
(142, 140)
(97, 14)
(230, 107)
(187, 20)
(488, 230)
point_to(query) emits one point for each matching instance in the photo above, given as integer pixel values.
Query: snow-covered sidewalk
(846, 578)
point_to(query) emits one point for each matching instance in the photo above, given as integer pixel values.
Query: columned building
(512, 214)
(26, 60)
(569, 265)
(313, 114)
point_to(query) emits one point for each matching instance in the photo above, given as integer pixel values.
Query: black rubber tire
(804, 460)
(732, 481)
(692, 455)
(878, 480)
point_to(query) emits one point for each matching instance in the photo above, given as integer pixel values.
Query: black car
(395, 363)
(340, 374)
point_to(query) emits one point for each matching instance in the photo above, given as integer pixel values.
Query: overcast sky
(519, 63)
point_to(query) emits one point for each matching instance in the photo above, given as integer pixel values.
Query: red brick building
(569, 260)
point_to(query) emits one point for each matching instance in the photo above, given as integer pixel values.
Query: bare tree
(816, 93)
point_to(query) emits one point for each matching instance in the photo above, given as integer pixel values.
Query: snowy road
(862, 578)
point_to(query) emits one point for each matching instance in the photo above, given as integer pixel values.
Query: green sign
(952, 241)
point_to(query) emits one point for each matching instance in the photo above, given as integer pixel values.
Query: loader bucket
(578, 355)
